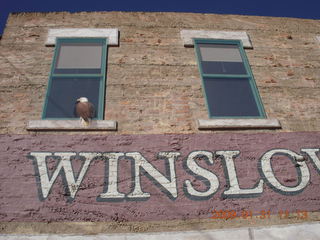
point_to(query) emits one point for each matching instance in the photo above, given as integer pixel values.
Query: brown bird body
(85, 110)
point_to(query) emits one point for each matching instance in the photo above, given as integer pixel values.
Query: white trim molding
(204, 124)
(111, 33)
(67, 125)
(188, 35)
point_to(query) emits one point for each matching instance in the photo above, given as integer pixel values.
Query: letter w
(64, 167)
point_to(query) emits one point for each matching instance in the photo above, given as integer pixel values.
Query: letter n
(167, 185)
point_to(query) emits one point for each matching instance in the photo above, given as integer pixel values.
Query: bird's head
(82, 99)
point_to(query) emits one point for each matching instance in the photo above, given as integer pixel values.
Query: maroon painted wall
(19, 199)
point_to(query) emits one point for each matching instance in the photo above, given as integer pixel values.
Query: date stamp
(263, 214)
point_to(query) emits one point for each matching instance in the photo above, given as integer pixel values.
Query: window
(78, 70)
(228, 83)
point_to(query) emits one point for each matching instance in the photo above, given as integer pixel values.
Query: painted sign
(167, 183)
(156, 177)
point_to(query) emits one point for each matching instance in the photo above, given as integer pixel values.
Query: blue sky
(279, 8)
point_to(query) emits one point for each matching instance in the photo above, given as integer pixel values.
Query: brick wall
(153, 83)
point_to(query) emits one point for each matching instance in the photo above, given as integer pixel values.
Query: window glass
(230, 97)
(221, 59)
(65, 91)
(228, 83)
(78, 70)
(79, 58)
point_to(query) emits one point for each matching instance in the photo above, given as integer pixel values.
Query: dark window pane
(230, 97)
(65, 91)
(223, 68)
(221, 59)
(79, 58)
(78, 71)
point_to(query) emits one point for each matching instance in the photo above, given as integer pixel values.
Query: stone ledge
(69, 125)
(188, 36)
(270, 231)
(111, 33)
(238, 123)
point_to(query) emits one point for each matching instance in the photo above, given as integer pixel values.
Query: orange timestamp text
(263, 214)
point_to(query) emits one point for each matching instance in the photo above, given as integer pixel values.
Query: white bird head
(82, 99)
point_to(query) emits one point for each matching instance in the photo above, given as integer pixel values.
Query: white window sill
(204, 124)
(69, 125)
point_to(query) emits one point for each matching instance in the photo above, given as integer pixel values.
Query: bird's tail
(83, 122)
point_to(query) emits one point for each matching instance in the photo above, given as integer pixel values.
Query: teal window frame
(102, 75)
(249, 75)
